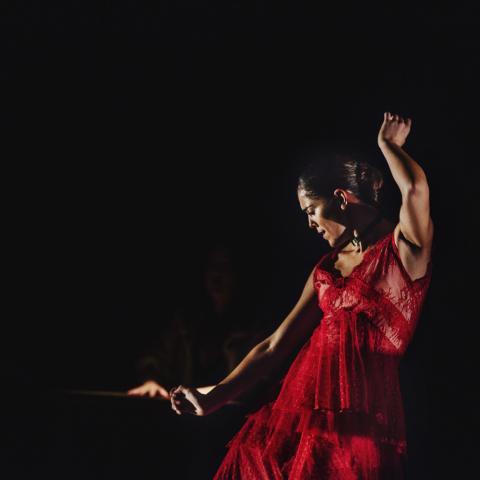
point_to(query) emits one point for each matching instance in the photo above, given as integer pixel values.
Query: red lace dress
(339, 412)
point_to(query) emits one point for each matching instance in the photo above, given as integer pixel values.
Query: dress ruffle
(270, 425)
(278, 444)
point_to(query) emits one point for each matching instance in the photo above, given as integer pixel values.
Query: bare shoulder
(414, 258)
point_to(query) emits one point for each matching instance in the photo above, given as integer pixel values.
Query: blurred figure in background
(208, 335)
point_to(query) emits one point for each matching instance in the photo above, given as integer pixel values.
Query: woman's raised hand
(394, 129)
(151, 389)
(190, 400)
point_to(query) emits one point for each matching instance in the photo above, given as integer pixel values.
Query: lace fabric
(339, 412)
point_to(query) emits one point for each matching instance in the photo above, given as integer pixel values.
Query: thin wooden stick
(107, 393)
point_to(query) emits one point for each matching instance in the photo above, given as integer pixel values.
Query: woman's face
(219, 275)
(325, 215)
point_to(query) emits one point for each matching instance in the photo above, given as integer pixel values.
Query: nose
(310, 223)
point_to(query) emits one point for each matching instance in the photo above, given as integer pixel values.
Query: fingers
(164, 394)
(391, 117)
(174, 407)
(182, 401)
(184, 406)
(181, 405)
(135, 391)
(175, 393)
(173, 390)
(148, 391)
(173, 402)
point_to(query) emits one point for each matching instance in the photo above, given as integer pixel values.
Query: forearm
(406, 172)
(255, 366)
(206, 389)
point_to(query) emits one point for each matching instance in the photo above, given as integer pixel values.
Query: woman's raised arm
(414, 232)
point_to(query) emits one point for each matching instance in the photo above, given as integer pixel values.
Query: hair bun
(370, 180)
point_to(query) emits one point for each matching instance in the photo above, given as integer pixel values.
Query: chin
(333, 242)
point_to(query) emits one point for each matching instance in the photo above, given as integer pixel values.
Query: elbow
(275, 348)
(268, 345)
(415, 188)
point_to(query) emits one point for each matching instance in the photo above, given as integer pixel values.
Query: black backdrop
(138, 132)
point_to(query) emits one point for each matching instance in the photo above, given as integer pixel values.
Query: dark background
(135, 134)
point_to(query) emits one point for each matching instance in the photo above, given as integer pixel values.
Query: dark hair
(339, 170)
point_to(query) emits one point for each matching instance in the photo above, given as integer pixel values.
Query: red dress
(339, 412)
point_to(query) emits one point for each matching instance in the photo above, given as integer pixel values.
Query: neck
(364, 232)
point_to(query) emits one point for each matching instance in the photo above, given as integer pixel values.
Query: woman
(339, 412)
